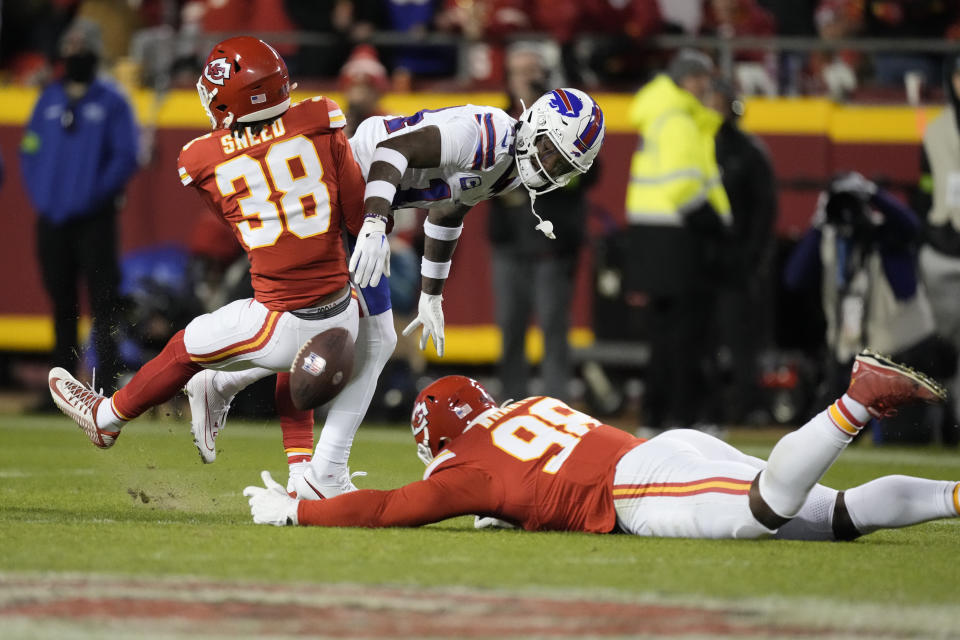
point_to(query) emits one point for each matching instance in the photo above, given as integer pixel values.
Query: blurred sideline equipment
(861, 251)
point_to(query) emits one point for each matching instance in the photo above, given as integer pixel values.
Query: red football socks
(297, 426)
(157, 381)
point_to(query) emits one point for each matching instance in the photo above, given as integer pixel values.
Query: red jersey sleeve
(194, 170)
(457, 492)
(190, 166)
(351, 183)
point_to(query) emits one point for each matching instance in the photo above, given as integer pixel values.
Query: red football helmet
(244, 80)
(443, 410)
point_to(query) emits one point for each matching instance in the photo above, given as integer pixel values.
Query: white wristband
(380, 189)
(435, 270)
(391, 157)
(438, 232)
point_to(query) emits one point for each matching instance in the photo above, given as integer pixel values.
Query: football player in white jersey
(446, 161)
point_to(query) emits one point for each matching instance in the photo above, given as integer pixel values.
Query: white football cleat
(310, 486)
(208, 413)
(80, 404)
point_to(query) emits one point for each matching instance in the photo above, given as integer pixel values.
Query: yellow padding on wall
(467, 344)
(770, 116)
(32, 332)
(480, 344)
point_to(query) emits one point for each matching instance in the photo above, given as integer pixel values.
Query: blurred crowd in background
(699, 293)
(604, 43)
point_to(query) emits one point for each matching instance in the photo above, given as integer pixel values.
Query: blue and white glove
(430, 315)
(371, 256)
(270, 504)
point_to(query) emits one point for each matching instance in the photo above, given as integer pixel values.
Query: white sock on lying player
(801, 457)
(900, 501)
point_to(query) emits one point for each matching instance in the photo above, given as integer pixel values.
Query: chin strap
(545, 226)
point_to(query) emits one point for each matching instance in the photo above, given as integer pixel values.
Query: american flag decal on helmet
(258, 98)
(591, 132)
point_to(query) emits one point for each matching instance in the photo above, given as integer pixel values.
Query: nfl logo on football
(314, 364)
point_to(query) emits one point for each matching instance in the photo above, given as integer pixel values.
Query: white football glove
(489, 522)
(430, 315)
(270, 504)
(371, 256)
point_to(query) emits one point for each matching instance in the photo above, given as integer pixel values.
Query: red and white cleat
(882, 385)
(80, 404)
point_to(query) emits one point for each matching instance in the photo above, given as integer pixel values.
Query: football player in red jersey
(540, 465)
(284, 179)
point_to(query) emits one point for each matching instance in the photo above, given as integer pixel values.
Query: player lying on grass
(540, 465)
(284, 179)
(446, 161)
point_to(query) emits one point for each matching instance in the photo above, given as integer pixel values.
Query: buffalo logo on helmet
(566, 104)
(217, 71)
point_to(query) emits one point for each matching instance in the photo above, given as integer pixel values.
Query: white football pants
(245, 334)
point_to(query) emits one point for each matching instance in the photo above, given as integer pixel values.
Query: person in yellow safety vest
(674, 171)
(676, 241)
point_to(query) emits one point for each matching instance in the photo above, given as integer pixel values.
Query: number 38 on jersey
(283, 191)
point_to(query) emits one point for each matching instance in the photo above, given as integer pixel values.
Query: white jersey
(476, 155)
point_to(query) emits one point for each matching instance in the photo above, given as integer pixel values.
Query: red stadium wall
(804, 144)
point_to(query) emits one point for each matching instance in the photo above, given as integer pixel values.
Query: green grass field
(148, 509)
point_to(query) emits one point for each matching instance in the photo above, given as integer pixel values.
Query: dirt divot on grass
(106, 607)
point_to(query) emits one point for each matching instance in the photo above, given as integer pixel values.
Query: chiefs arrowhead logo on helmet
(443, 410)
(217, 71)
(419, 419)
